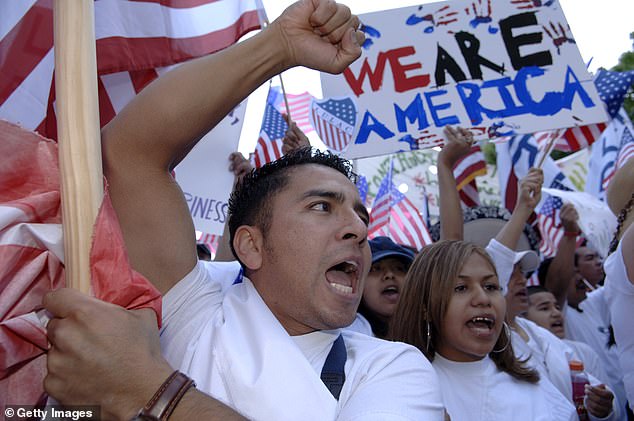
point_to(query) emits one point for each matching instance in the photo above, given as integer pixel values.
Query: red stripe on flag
(587, 134)
(511, 191)
(116, 54)
(178, 4)
(106, 110)
(141, 78)
(22, 49)
(48, 126)
(469, 173)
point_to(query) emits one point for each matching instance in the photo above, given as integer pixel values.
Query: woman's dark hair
(428, 289)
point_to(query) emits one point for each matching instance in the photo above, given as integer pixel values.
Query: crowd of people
(307, 319)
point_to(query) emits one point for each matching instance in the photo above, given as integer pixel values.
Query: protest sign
(204, 174)
(499, 68)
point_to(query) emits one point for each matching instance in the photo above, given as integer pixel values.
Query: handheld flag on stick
(395, 216)
(269, 146)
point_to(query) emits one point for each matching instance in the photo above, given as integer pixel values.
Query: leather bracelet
(162, 404)
(571, 233)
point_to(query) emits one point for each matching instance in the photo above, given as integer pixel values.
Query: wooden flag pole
(288, 110)
(549, 147)
(78, 134)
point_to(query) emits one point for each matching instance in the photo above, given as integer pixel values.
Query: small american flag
(362, 186)
(269, 146)
(395, 216)
(549, 222)
(334, 121)
(298, 105)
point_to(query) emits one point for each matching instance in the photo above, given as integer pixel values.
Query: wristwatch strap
(162, 404)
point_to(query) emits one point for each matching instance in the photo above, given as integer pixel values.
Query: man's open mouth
(343, 276)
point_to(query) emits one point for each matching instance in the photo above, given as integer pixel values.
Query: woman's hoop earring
(507, 330)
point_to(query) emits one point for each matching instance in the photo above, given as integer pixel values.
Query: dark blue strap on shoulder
(332, 374)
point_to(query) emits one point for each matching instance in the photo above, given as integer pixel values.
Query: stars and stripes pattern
(613, 87)
(298, 105)
(132, 50)
(515, 157)
(549, 222)
(395, 216)
(362, 187)
(269, 146)
(272, 132)
(334, 121)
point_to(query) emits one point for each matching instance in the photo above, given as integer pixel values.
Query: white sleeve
(503, 258)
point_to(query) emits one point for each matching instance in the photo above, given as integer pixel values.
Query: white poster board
(204, 174)
(499, 68)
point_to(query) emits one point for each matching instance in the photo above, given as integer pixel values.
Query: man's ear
(248, 244)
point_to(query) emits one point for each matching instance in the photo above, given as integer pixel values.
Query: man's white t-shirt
(226, 339)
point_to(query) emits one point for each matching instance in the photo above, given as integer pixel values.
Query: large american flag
(32, 256)
(273, 130)
(395, 216)
(334, 121)
(298, 105)
(136, 42)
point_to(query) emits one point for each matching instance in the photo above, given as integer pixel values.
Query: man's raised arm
(161, 125)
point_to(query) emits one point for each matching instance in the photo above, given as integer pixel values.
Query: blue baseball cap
(383, 247)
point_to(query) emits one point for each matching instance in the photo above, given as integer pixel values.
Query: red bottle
(579, 381)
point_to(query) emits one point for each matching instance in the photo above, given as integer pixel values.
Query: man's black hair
(251, 200)
(584, 243)
(542, 272)
(534, 289)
